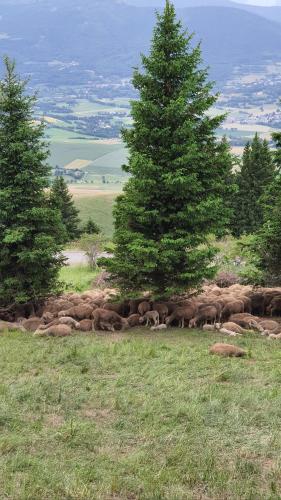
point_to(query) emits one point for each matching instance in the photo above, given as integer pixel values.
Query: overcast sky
(258, 2)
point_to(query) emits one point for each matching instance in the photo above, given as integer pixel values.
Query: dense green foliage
(30, 231)
(256, 174)
(269, 237)
(175, 196)
(277, 155)
(61, 199)
(91, 227)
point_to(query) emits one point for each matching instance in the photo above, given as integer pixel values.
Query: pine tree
(30, 231)
(277, 155)
(91, 227)
(269, 236)
(61, 199)
(257, 173)
(175, 196)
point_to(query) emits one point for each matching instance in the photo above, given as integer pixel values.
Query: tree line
(184, 184)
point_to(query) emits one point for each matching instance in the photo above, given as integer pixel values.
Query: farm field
(139, 415)
(102, 159)
(67, 146)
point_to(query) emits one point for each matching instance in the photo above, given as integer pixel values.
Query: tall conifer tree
(257, 173)
(277, 155)
(61, 199)
(269, 236)
(175, 196)
(30, 232)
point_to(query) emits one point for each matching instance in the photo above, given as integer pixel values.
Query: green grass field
(77, 278)
(138, 416)
(99, 208)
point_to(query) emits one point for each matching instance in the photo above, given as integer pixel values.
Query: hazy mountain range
(61, 40)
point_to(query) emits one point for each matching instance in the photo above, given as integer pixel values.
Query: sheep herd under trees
(233, 311)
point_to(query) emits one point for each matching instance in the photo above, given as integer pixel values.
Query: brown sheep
(275, 336)
(150, 318)
(236, 306)
(121, 308)
(54, 331)
(246, 321)
(227, 350)
(108, 319)
(181, 315)
(162, 309)
(65, 320)
(76, 301)
(233, 327)
(107, 325)
(133, 305)
(86, 325)
(55, 306)
(205, 315)
(274, 308)
(32, 324)
(172, 306)
(269, 295)
(257, 304)
(144, 307)
(247, 304)
(92, 304)
(216, 304)
(270, 325)
(158, 328)
(134, 320)
(8, 326)
(84, 311)
(48, 317)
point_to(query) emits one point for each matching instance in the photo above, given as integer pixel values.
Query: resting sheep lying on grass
(67, 320)
(274, 336)
(54, 331)
(158, 328)
(228, 350)
(8, 326)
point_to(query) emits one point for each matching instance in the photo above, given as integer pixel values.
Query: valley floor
(139, 416)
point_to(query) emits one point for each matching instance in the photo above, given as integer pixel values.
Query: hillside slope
(272, 13)
(58, 42)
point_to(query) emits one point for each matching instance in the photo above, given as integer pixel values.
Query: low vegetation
(77, 278)
(138, 415)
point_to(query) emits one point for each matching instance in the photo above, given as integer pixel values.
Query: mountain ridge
(107, 37)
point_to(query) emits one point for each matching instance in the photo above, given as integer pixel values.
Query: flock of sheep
(232, 311)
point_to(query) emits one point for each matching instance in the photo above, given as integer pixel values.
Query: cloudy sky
(258, 2)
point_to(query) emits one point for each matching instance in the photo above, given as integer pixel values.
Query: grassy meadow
(138, 415)
(77, 278)
(98, 207)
